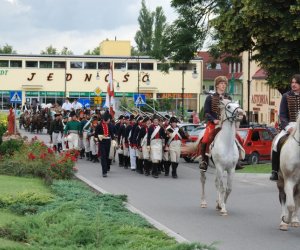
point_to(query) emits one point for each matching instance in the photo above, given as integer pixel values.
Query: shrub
(10, 146)
(3, 125)
(36, 159)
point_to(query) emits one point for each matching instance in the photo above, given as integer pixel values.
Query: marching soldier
(136, 146)
(142, 144)
(125, 134)
(93, 141)
(56, 131)
(104, 133)
(86, 124)
(289, 110)
(73, 132)
(132, 148)
(155, 143)
(120, 140)
(173, 145)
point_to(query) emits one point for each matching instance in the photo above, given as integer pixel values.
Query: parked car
(193, 136)
(257, 142)
(188, 127)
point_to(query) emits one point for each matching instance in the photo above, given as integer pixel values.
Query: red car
(257, 142)
(193, 136)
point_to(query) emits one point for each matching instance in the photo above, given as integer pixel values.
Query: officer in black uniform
(104, 132)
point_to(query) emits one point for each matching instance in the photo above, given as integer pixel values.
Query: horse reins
(233, 116)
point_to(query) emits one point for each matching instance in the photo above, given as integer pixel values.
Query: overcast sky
(32, 25)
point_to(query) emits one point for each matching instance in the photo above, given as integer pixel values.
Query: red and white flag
(110, 94)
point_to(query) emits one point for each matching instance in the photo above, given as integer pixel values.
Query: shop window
(45, 65)
(76, 65)
(16, 64)
(90, 65)
(103, 65)
(147, 66)
(3, 63)
(59, 65)
(133, 66)
(31, 64)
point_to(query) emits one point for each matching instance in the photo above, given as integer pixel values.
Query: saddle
(281, 142)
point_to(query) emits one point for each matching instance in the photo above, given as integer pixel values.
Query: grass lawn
(264, 168)
(77, 218)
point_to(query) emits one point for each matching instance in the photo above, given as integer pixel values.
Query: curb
(133, 209)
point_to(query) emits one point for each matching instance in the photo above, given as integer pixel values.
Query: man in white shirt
(67, 106)
(76, 105)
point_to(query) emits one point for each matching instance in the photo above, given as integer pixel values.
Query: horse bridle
(233, 116)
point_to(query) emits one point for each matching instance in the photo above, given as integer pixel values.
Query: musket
(142, 112)
(126, 109)
(155, 112)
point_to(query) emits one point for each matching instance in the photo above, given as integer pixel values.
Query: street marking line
(133, 209)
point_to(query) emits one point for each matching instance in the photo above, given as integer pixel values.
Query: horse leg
(229, 183)
(295, 220)
(221, 191)
(203, 199)
(290, 203)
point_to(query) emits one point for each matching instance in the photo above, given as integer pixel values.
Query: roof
(211, 74)
(260, 74)
(237, 76)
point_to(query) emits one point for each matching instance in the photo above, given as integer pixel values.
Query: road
(253, 207)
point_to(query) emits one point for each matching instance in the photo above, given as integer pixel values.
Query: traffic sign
(15, 96)
(97, 100)
(139, 99)
(97, 91)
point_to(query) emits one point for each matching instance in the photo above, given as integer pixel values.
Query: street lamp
(249, 82)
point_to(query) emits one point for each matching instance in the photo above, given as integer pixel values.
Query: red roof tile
(260, 74)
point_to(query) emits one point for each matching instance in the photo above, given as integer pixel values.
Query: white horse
(224, 154)
(289, 179)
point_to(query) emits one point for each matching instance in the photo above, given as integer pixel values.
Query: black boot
(141, 166)
(147, 166)
(121, 160)
(203, 164)
(239, 165)
(126, 162)
(95, 159)
(91, 156)
(59, 147)
(87, 156)
(167, 165)
(80, 153)
(174, 169)
(275, 166)
(154, 170)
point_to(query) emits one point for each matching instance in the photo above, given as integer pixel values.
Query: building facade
(48, 79)
(264, 101)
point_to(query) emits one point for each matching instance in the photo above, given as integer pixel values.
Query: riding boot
(167, 165)
(159, 167)
(155, 170)
(140, 166)
(275, 166)
(204, 162)
(239, 165)
(174, 169)
(121, 159)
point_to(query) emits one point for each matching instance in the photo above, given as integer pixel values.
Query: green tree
(144, 35)
(50, 50)
(7, 49)
(95, 51)
(66, 51)
(159, 32)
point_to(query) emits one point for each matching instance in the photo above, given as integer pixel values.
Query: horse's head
(231, 110)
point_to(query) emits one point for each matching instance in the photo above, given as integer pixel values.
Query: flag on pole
(110, 94)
